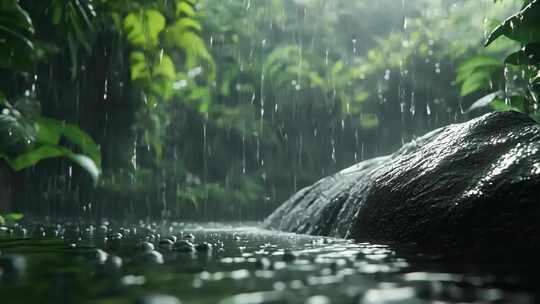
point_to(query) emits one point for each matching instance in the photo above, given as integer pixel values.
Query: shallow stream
(219, 263)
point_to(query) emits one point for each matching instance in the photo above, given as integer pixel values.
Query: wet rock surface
(470, 185)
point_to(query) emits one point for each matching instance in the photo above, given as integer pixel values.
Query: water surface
(245, 265)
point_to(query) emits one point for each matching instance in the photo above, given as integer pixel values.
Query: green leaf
(71, 132)
(165, 68)
(528, 55)
(184, 8)
(524, 26)
(468, 67)
(143, 28)
(16, 30)
(49, 151)
(13, 16)
(139, 68)
(478, 80)
(15, 136)
(13, 217)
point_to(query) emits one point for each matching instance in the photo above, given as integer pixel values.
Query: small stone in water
(318, 300)
(263, 264)
(157, 299)
(289, 256)
(165, 243)
(98, 256)
(189, 237)
(116, 236)
(203, 247)
(184, 246)
(152, 257)
(113, 264)
(173, 238)
(147, 247)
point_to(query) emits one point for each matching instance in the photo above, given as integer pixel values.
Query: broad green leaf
(195, 49)
(46, 134)
(185, 24)
(515, 103)
(57, 11)
(16, 30)
(183, 7)
(139, 68)
(72, 133)
(468, 67)
(13, 16)
(165, 68)
(528, 55)
(143, 28)
(15, 136)
(524, 26)
(477, 80)
(49, 151)
(11, 218)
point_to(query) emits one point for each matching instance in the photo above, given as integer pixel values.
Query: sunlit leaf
(143, 27)
(11, 218)
(165, 68)
(183, 7)
(139, 68)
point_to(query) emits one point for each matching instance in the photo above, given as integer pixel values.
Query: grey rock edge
(467, 185)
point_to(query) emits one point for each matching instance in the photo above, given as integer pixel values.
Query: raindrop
(387, 75)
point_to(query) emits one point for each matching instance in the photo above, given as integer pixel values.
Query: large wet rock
(473, 184)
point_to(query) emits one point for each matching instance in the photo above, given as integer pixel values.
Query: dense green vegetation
(215, 109)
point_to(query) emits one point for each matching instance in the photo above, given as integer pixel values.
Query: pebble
(166, 243)
(98, 256)
(157, 299)
(203, 247)
(152, 257)
(318, 300)
(113, 264)
(263, 264)
(184, 246)
(189, 237)
(147, 246)
(173, 238)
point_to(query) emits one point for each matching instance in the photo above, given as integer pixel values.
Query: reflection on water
(216, 263)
